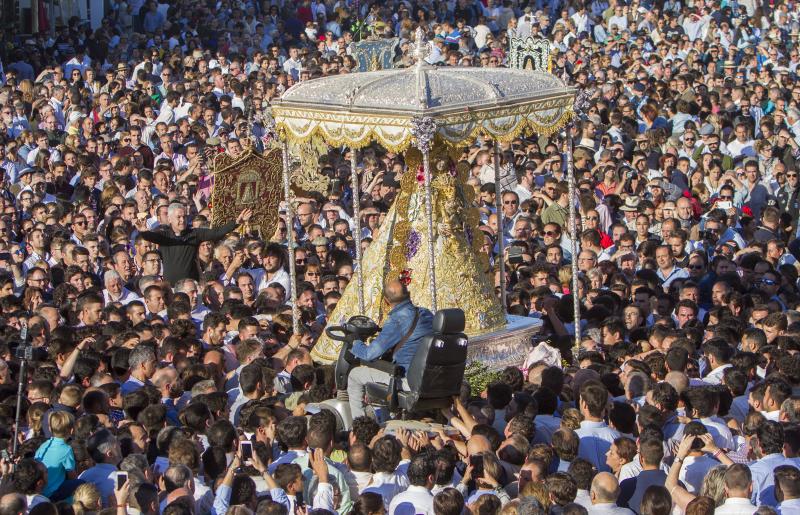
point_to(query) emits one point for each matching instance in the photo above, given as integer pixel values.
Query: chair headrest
(448, 321)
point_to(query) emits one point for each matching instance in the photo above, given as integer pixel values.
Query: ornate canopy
(358, 109)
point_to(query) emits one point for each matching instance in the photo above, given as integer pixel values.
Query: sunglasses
(510, 202)
(768, 282)
(550, 233)
(725, 197)
(695, 267)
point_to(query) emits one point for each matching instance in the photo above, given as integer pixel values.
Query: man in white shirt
(742, 145)
(604, 494)
(777, 391)
(787, 489)
(293, 65)
(696, 464)
(273, 270)
(417, 499)
(387, 480)
(525, 182)
(620, 19)
(738, 487)
(115, 291)
(703, 404)
(717, 353)
(595, 435)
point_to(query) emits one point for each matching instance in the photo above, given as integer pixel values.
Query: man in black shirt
(178, 244)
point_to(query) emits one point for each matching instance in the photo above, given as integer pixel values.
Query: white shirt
(720, 431)
(789, 507)
(630, 469)
(694, 469)
(363, 479)
(387, 485)
(737, 148)
(125, 298)
(414, 501)
(715, 376)
(260, 279)
(736, 506)
(523, 193)
(772, 415)
(609, 508)
(620, 21)
(584, 499)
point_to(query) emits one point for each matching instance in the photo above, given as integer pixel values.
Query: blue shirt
(595, 441)
(57, 456)
(104, 477)
(394, 329)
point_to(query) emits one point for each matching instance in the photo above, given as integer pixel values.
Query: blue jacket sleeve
(222, 500)
(279, 496)
(390, 334)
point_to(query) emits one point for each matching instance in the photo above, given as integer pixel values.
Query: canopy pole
(357, 228)
(424, 129)
(573, 231)
(498, 204)
(429, 216)
(287, 191)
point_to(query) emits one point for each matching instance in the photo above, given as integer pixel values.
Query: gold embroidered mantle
(461, 278)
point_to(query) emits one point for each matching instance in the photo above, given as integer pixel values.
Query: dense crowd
(166, 376)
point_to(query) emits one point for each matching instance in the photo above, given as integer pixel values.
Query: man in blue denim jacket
(398, 324)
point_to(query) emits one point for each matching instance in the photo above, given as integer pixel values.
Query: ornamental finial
(421, 48)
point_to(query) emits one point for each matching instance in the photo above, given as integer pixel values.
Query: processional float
(430, 233)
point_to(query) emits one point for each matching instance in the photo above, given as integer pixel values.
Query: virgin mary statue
(400, 249)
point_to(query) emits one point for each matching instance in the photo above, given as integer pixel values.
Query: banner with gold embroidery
(254, 181)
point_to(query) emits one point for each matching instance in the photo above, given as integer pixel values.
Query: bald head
(677, 380)
(395, 292)
(164, 376)
(477, 444)
(13, 504)
(605, 488)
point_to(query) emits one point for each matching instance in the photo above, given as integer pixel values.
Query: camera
(515, 255)
(24, 351)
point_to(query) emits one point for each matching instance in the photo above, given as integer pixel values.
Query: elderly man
(115, 290)
(604, 493)
(178, 243)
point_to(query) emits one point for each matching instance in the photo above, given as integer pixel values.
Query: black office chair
(435, 374)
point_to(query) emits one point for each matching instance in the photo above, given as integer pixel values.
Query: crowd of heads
(684, 151)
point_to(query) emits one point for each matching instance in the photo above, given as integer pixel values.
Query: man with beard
(273, 270)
